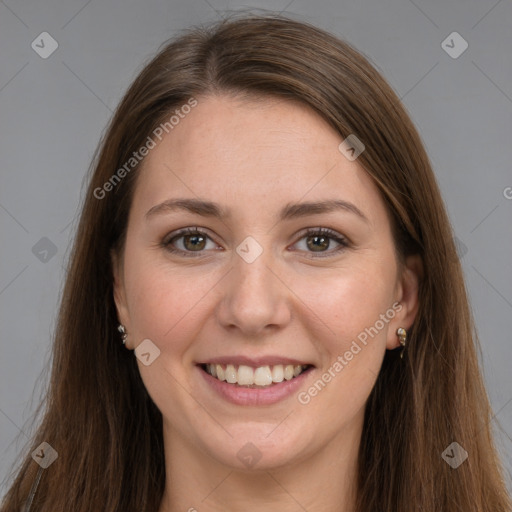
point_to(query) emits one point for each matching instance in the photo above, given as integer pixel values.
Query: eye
(319, 240)
(192, 242)
(188, 241)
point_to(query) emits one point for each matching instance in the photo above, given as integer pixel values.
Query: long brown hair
(98, 415)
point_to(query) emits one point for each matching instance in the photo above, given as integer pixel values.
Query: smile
(262, 376)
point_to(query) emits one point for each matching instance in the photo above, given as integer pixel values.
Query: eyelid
(340, 239)
(193, 230)
(322, 230)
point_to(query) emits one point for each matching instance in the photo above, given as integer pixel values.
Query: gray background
(53, 111)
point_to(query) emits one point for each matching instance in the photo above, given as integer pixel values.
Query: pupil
(321, 242)
(197, 241)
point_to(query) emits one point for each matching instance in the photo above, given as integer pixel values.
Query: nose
(254, 299)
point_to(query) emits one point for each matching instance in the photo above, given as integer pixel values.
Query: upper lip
(255, 362)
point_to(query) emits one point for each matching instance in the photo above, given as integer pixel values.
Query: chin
(254, 449)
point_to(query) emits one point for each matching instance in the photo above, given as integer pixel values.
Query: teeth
(288, 372)
(220, 372)
(245, 375)
(262, 376)
(278, 373)
(230, 374)
(248, 376)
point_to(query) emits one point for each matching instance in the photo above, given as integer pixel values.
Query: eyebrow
(290, 211)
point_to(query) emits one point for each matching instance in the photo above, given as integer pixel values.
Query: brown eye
(188, 242)
(322, 241)
(318, 243)
(194, 242)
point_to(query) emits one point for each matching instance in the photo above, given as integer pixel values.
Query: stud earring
(402, 337)
(121, 328)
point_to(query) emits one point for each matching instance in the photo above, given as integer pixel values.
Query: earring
(402, 337)
(121, 328)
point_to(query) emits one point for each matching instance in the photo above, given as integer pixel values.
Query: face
(261, 287)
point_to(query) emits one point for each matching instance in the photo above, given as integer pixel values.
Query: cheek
(347, 301)
(350, 303)
(353, 342)
(165, 302)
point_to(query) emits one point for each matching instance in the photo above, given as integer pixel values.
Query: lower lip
(240, 395)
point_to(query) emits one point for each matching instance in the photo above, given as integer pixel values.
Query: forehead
(241, 151)
(241, 131)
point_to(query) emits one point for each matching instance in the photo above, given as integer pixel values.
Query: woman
(264, 229)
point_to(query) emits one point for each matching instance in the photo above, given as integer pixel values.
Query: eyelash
(329, 233)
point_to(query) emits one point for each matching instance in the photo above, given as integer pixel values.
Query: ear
(119, 290)
(407, 295)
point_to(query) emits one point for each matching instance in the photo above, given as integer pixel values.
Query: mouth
(254, 377)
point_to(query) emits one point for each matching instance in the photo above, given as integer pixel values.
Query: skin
(254, 157)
